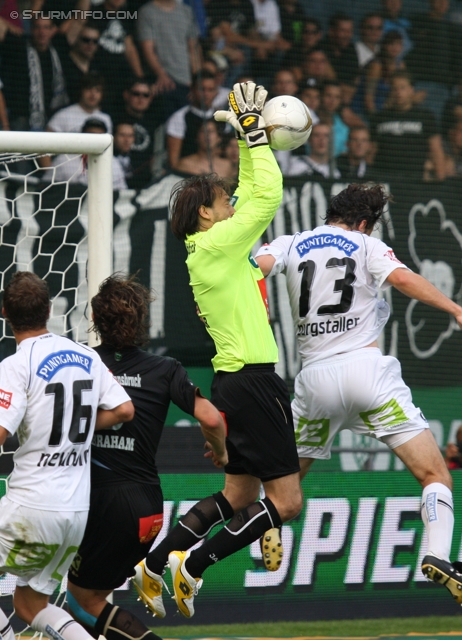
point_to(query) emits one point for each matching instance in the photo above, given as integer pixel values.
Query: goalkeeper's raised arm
(259, 175)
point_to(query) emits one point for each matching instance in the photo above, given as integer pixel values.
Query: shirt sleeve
(279, 249)
(237, 235)
(13, 392)
(144, 25)
(176, 124)
(381, 261)
(56, 122)
(182, 389)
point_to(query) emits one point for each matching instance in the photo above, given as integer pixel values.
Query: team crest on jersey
(5, 399)
(391, 254)
(322, 240)
(60, 359)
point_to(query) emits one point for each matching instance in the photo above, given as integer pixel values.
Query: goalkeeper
(229, 291)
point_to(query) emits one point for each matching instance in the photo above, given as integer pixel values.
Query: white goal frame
(99, 149)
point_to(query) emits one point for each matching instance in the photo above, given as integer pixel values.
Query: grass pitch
(349, 628)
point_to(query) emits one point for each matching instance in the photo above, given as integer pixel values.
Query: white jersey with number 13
(333, 279)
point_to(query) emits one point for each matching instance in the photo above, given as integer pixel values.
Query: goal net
(56, 221)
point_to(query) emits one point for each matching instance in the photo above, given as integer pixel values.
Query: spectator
(124, 139)
(453, 151)
(319, 163)
(452, 111)
(453, 456)
(310, 94)
(71, 119)
(394, 21)
(379, 72)
(207, 157)
(338, 116)
(168, 34)
(137, 110)
(331, 104)
(403, 134)
(291, 15)
(71, 168)
(354, 165)
(183, 125)
(33, 76)
(65, 25)
(317, 68)
(217, 64)
(9, 11)
(232, 25)
(78, 59)
(311, 35)
(436, 56)
(4, 121)
(371, 30)
(341, 53)
(268, 23)
(284, 83)
(117, 56)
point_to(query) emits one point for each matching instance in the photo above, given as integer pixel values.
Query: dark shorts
(124, 519)
(256, 404)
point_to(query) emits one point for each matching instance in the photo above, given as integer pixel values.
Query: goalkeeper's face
(221, 209)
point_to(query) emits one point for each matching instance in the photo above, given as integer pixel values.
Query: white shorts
(38, 546)
(362, 391)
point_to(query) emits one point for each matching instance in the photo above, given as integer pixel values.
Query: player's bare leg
(33, 607)
(423, 458)
(271, 545)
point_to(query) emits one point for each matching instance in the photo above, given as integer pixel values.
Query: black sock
(115, 623)
(192, 527)
(245, 527)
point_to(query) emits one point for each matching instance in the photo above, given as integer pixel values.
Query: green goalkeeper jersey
(227, 283)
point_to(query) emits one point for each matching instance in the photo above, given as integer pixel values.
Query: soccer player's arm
(3, 435)
(237, 235)
(114, 405)
(188, 397)
(416, 286)
(389, 271)
(13, 387)
(245, 179)
(273, 258)
(106, 418)
(213, 429)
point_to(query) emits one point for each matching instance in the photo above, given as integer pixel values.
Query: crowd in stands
(384, 91)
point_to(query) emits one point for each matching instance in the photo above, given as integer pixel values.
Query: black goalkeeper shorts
(256, 405)
(123, 521)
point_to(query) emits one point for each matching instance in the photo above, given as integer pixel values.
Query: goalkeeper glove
(246, 103)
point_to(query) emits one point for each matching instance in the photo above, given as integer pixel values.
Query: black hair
(188, 196)
(91, 80)
(94, 123)
(339, 17)
(356, 203)
(26, 302)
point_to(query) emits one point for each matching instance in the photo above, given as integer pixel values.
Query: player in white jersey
(334, 274)
(53, 394)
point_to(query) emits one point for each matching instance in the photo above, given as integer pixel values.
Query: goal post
(99, 151)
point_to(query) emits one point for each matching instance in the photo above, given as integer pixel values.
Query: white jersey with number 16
(50, 391)
(333, 278)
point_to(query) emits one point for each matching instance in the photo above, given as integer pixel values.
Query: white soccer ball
(288, 122)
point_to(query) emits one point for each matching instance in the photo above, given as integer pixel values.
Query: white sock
(438, 517)
(58, 624)
(6, 630)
